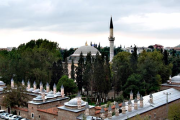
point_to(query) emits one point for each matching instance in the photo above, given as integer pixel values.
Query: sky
(71, 23)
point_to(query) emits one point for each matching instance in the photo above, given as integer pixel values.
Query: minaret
(111, 41)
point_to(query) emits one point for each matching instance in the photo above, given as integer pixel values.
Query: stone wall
(68, 115)
(46, 116)
(159, 113)
(163, 87)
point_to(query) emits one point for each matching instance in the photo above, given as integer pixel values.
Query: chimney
(135, 104)
(47, 87)
(29, 85)
(79, 100)
(23, 83)
(109, 112)
(123, 108)
(12, 83)
(62, 91)
(131, 95)
(102, 113)
(170, 79)
(116, 109)
(41, 86)
(138, 96)
(54, 88)
(151, 99)
(34, 85)
(86, 109)
(129, 106)
(141, 102)
(43, 95)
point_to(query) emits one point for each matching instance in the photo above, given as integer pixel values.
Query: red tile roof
(53, 110)
(23, 109)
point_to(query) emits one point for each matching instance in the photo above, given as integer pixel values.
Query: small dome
(51, 92)
(85, 50)
(30, 90)
(74, 101)
(175, 79)
(50, 95)
(38, 98)
(1, 89)
(36, 91)
(58, 93)
(2, 83)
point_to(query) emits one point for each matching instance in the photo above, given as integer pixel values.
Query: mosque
(86, 49)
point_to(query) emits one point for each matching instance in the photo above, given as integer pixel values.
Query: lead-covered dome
(85, 50)
(175, 79)
(2, 83)
(73, 102)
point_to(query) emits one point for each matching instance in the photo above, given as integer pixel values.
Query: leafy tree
(174, 111)
(69, 85)
(149, 64)
(33, 60)
(134, 83)
(121, 70)
(15, 97)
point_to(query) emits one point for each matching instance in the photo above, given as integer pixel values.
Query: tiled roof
(23, 109)
(53, 110)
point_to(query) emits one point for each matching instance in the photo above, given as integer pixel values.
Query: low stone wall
(159, 113)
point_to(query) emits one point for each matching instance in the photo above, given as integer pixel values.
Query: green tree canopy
(69, 85)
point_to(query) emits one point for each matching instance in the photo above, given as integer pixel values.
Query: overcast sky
(73, 22)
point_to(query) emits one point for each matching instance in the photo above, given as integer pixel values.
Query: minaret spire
(111, 40)
(111, 23)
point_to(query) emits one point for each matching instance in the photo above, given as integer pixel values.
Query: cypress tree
(134, 59)
(165, 57)
(66, 67)
(87, 73)
(99, 47)
(72, 70)
(79, 72)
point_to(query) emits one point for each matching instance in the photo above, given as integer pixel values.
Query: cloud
(153, 21)
(89, 20)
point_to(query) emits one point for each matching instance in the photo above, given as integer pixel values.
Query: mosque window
(19, 112)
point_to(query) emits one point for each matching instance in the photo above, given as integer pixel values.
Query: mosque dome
(175, 79)
(85, 50)
(2, 83)
(73, 102)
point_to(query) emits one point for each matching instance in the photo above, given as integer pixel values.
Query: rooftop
(159, 99)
